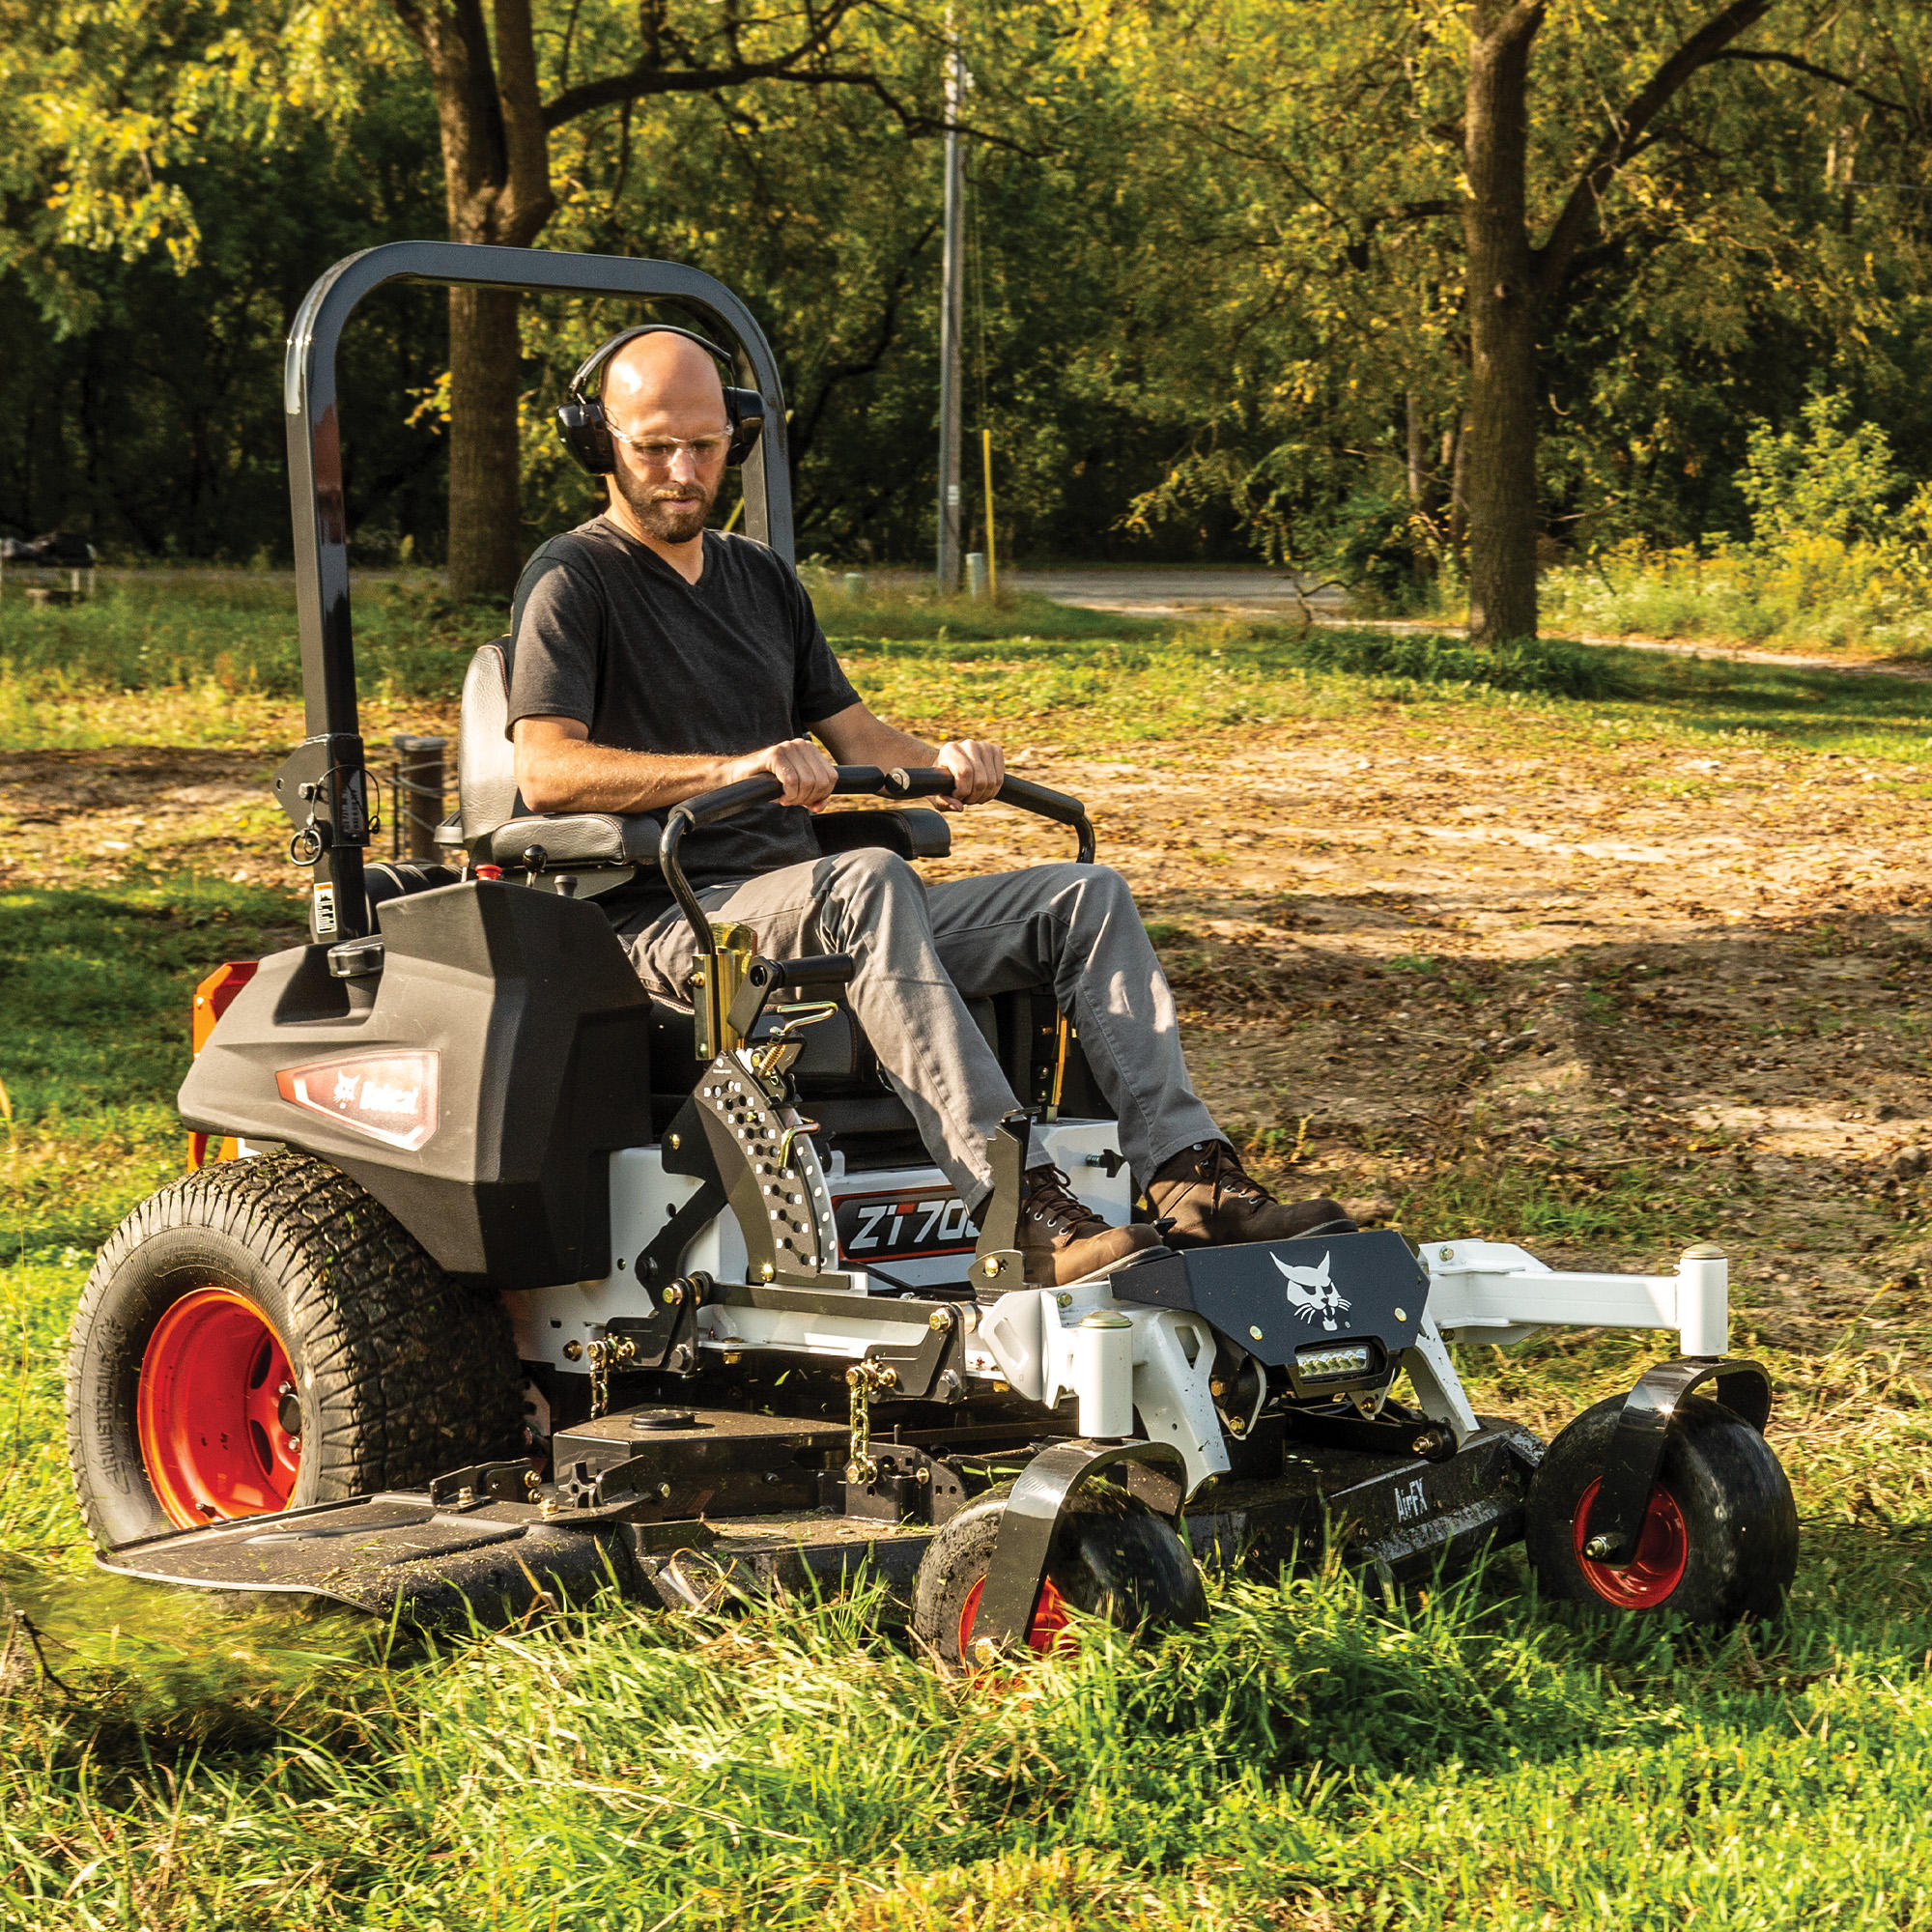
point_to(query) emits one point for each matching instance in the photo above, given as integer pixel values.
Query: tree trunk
(1502, 297)
(496, 178)
(486, 538)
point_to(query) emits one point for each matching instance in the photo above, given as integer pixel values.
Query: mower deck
(441, 1557)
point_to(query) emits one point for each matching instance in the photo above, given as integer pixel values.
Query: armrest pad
(917, 833)
(578, 838)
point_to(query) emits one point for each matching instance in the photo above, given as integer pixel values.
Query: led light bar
(1332, 1361)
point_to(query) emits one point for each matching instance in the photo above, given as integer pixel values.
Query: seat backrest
(486, 762)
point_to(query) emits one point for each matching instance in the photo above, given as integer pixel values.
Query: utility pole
(952, 315)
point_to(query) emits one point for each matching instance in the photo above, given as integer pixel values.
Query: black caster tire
(1112, 1557)
(1719, 1540)
(264, 1335)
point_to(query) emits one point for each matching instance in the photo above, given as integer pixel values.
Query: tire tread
(415, 1373)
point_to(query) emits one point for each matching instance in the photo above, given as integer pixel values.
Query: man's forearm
(872, 741)
(574, 775)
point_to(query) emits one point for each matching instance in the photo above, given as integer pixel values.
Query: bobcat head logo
(1311, 1293)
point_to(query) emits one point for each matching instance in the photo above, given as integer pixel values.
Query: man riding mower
(679, 1190)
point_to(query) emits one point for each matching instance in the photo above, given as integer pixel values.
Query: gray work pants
(921, 951)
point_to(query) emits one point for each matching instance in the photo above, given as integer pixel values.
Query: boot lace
(1222, 1170)
(1051, 1200)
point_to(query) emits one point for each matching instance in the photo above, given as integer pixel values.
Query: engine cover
(476, 1085)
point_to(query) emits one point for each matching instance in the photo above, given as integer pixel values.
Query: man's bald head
(663, 373)
(665, 388)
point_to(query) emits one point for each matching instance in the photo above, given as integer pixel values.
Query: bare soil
(1475, 973)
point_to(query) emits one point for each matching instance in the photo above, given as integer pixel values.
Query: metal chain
(862, 1378)
(859, 1464)
(601, 1353)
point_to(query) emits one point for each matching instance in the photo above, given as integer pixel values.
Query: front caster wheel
(1720, 1536)
(1112, 1557)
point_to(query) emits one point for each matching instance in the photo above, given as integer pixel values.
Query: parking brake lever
(765, 977)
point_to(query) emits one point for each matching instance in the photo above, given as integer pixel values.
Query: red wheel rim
(1662, 1550)
(214, 1377)
(1051, 1628)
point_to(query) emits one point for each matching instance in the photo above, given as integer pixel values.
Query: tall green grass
(1811, 591)
(1312, 1757)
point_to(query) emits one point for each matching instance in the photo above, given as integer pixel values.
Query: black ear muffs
(586, 435)
(745, 410)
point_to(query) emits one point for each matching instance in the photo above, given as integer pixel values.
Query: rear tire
(1719, 1540)
(1111, 1556)
(259, 1293)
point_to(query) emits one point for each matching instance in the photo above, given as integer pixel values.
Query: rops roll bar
(324, 786)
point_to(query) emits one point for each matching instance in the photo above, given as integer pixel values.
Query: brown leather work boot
(1061, 1240)
(1205, 1192)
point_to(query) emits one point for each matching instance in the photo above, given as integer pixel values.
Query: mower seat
(604, 848)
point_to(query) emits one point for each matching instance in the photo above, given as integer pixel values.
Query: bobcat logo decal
(1311, 1293)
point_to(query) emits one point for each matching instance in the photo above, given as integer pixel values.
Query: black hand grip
(1039, 798)
(712, 807)
(728, 801)
(815, 969)
(921, 782)
(1057, 806)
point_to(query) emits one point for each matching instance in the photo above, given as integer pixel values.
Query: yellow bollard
(992, 564)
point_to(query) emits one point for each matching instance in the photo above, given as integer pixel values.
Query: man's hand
(806, 774)
(978, 770)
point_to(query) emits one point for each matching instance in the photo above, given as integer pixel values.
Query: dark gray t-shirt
(606, 632)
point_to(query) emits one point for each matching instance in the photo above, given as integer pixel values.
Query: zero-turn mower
(505, 1281)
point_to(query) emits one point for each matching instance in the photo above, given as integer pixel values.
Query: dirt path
(1606, 996)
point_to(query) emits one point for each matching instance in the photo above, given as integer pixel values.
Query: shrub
(1551, 667)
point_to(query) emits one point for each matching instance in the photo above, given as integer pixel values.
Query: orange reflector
(217, 994)
(212, 999)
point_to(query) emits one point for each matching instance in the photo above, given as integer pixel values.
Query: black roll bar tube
(713, 808)
(340, 907)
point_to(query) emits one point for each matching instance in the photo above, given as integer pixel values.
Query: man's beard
(667, 520)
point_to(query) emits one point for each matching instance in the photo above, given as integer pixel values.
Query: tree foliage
(1219, 292)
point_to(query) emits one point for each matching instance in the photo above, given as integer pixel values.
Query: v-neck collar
(670, 570)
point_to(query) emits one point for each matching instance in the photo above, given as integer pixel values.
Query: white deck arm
(1491, 1291)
